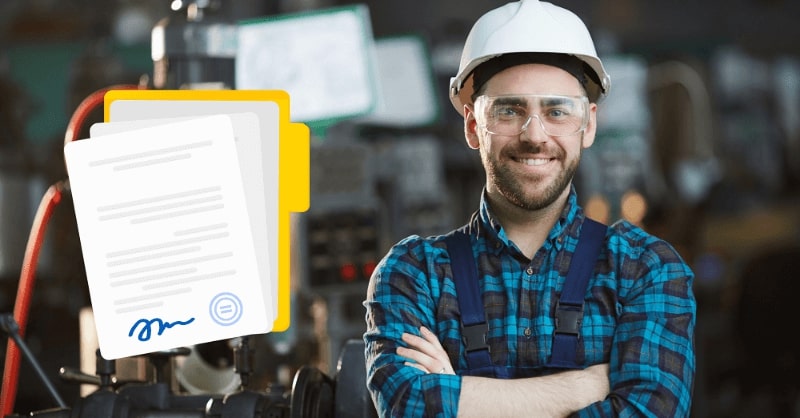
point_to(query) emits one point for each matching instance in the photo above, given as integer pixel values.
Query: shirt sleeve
(401, 297)
(652, 359)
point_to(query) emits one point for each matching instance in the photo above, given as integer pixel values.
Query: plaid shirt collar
(489, 228)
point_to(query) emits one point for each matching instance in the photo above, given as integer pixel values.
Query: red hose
(24, 294)
(51, 198)
(86, 107)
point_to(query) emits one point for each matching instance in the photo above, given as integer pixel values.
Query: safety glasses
(512, 114)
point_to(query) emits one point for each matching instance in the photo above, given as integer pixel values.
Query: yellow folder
(293, 164)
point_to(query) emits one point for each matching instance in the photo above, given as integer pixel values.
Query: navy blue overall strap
(569, 310)
(470, 303)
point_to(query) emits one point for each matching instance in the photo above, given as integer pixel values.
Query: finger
(424, 343)
(416, 366)
(437, 360)
(437, 351)
(417, 356)
(431, 338)
(437, 363)
(414, 341)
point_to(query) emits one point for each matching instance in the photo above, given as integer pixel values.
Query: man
(527, 88)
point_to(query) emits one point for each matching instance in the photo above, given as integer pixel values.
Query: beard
(524, 190)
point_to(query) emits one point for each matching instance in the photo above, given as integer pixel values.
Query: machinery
(338, 243)
(312, 394)
(193, 51)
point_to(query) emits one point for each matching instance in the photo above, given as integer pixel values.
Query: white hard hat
(524, 26)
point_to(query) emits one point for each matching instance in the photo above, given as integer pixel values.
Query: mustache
(534, 148)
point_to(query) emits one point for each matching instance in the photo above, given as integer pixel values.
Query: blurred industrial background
(699, 143)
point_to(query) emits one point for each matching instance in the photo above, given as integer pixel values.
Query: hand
(426, 352)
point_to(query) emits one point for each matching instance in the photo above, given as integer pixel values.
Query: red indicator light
(369, 267)
(347, 272)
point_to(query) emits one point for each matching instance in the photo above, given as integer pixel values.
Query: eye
(558, 112)
(508, 111)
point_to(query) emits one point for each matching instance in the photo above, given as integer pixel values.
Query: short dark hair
(569, 63)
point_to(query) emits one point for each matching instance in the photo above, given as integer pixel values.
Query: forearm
(555, 395)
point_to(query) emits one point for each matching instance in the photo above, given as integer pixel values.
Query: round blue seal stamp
(225, 309)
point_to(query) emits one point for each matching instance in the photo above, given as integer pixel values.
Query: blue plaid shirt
(639, 317)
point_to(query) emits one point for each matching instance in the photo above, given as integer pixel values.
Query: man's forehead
(537, 78)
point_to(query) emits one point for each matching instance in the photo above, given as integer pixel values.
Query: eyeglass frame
(479, 115)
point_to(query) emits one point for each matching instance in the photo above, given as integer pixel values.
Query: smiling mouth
(534, 161)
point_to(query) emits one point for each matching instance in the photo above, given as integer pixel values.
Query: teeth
(535, 161)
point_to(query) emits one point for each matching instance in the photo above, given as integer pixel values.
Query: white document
(268, 117)
(247, 138)
(166, 237)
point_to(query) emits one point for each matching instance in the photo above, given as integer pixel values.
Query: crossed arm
(555, 395)
(647, 342)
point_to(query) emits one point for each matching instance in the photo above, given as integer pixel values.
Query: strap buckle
(475, 336)
(569, 318)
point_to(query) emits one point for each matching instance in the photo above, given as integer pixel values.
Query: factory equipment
(193, 48)
(356, 214)
(312, 395)
(370, 187)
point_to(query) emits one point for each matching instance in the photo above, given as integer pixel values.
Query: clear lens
(512, 115)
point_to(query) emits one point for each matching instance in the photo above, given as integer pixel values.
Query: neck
(528, 229)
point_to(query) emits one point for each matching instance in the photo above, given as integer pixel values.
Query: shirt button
(529, 270)
(528, 332)
(496, 245)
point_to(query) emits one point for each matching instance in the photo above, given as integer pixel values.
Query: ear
(591, 127)
(471, 128)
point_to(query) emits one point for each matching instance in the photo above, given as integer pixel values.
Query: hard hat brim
(461, 87)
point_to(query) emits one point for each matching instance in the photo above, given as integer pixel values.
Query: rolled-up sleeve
(401, 298)
(652, 358)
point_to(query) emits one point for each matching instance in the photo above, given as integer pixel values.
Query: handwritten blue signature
(147, 327)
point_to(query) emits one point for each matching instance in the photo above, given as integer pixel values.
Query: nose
(534, 132)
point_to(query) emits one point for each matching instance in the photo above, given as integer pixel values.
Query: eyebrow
(545, 101)
(516, 101)
(555, 101)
